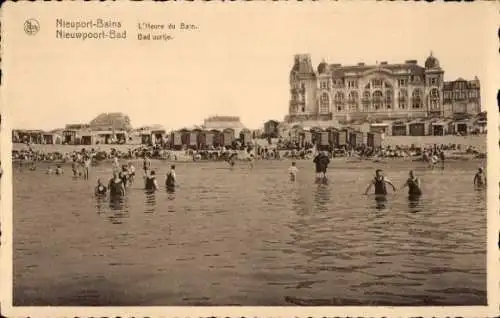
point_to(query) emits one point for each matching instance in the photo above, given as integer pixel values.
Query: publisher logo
(31, 27)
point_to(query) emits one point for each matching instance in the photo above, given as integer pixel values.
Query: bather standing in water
(292, 171)
(380, 183)
(414, 187)
(480, 179)
(150, 182)
(100, 189)
(116, 187)
(87, 161)
(171, 180)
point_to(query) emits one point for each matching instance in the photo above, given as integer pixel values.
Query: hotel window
(403, 94)
(366, 95)
(402, 82)
(433, 81)
(324, 85)
(416, 99)
(377, 83)
(463, 95)
(434, 93)
(352, 84)
(302, 86)
(353, 97)
(402, 104)
(324, 103)
(377, 99)
(339, 101)
(388, 99)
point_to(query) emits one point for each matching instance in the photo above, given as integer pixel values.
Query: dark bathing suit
(413, 188)
(115, 188)
(150, 185)
(170, 182)
(380, 186)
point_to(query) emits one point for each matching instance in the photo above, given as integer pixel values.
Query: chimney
(361, 64)
(383, 63)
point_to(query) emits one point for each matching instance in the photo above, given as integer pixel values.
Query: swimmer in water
(87, 161)
(413, 184)
(124, 175)
(100, 189)
(131, 173)
(116, 187)
(171, 180)
(74, 167)
(146, 165)
(59, 171)
(380, 183)
(292, 171)
(480, 178)
(116, 164)
(150, 183)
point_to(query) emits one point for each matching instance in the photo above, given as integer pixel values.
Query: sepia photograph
(252, 155)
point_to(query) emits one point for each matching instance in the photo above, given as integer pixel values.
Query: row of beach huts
(203, 138)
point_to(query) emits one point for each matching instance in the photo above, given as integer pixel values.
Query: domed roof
(431, 62)
(322, 67)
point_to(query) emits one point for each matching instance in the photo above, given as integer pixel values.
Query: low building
(221, 123)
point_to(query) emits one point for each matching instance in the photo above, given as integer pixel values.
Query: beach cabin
(306, 138)
(185, 137)
(193, 138)
(333, 136)
(48, 139)
(324, 141)
(120, 136)
(374, 140)
(245, 136)
(342, 138)
(352, 139)
(205, 139)
(359, 138)
(157, 136)
(70, 137)
(217, 137)
(176, 140)
(104, 137)
(87, 138)
(316, 135)
(146, 137)
(228, 137)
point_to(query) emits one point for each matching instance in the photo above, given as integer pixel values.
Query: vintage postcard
(255, 159)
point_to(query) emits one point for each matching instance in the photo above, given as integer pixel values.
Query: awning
(439, 123)
(379, 125)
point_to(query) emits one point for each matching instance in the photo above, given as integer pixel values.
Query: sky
(237, 62)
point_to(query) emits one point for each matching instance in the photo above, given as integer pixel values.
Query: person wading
(413, 184)
(380, 184)
(150, 183)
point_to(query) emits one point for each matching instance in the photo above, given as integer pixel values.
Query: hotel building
(402, 92)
